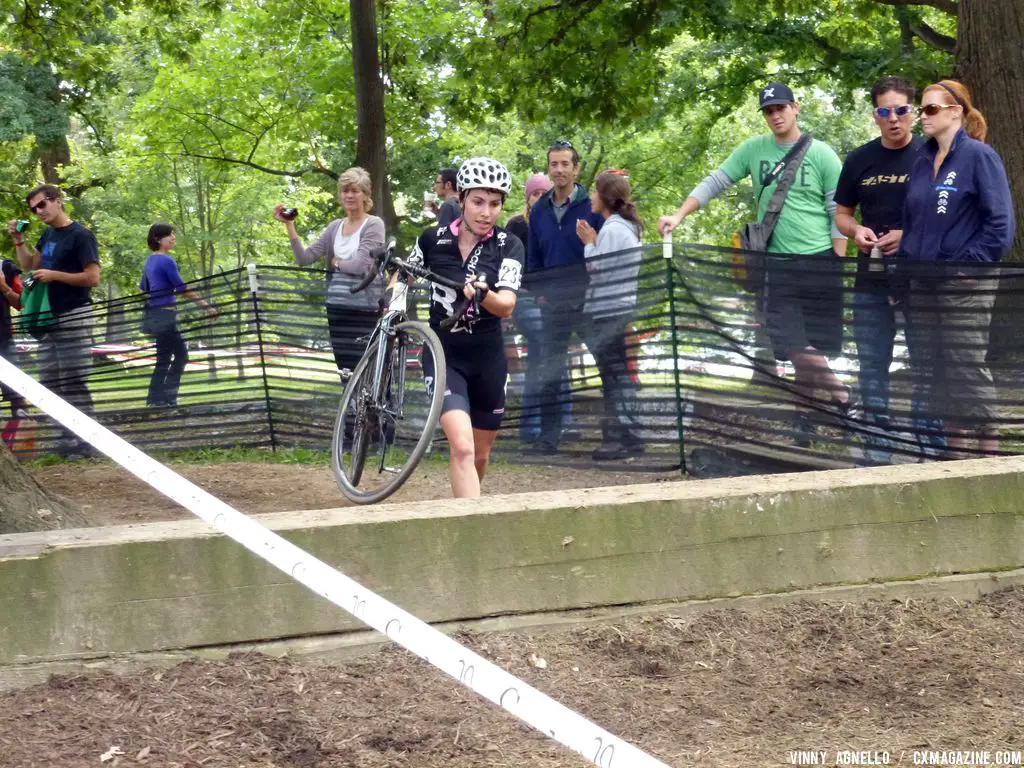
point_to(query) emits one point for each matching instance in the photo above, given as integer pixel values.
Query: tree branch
(262, 168)
(951, 7)
(932, 37)
(503, 40)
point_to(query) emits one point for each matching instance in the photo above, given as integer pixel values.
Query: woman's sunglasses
(933, 109)
(884, 113)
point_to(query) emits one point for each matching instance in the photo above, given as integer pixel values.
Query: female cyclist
(473, 250)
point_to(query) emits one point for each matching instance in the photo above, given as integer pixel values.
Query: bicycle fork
(389, 373)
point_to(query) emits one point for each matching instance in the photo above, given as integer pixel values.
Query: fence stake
(254, 287)
(666, 252)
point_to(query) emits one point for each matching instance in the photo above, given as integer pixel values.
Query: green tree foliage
(205, 116)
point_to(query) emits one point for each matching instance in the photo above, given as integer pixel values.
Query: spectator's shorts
(803, 303)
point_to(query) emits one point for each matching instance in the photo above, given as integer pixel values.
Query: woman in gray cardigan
(613, 258)
(346, 246)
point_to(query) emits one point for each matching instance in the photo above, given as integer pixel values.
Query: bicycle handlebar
(385, 257)
(380, 257)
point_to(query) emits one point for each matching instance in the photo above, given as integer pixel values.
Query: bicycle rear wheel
(383, 428)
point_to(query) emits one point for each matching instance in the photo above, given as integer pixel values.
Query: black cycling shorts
(475, 376)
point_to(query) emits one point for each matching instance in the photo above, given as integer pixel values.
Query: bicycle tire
(354, 388)
(408, 333)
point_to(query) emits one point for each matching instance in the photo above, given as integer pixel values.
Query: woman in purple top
(162, 281)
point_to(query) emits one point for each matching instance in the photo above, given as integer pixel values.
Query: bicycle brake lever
(380, 257)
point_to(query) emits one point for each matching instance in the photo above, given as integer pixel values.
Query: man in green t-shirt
(803, 291)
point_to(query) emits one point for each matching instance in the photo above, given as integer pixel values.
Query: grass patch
(293, 455)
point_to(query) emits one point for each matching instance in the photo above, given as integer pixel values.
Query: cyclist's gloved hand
(473, 284)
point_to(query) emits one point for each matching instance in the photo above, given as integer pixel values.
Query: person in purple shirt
(958, 223)
(162, 281)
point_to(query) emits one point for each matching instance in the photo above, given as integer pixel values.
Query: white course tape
(512, 694)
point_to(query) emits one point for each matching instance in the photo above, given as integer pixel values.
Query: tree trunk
(53, 155)
(26, 506)
(371, 147)
(990, 61)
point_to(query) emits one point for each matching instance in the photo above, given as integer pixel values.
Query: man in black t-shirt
(67, 259)
(874, 178)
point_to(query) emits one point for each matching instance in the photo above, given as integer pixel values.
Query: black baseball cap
(775, 93)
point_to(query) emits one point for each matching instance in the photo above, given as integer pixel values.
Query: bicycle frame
(385, 334)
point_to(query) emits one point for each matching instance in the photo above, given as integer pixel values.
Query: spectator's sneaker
(21, 413)
(804, 430)
(65, 447)
(571, 435)
(544, 448)
(851, 410)
(73, 448)
(618, 451)
(86, 450)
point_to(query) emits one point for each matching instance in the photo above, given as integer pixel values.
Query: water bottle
(875, 264)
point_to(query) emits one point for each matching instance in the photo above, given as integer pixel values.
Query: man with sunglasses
(447, 190)
(561, 291)
(874, 178)
(67, 259)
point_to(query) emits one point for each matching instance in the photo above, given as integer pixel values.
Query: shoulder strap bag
(754, 238)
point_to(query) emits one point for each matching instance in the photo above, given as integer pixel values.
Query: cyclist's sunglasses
(41, 204)
(884, 113)
(561, 144)
(933, 109)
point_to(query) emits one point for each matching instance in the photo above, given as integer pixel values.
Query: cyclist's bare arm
(499, 303)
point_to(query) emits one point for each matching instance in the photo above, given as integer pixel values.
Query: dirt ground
(110, 495)
(724, 688)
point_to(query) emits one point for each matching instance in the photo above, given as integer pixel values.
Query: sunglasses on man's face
(40, 205)
(884, 113)
(933, 109)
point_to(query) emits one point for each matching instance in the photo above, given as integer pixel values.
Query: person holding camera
(66, 258)
(347, 246)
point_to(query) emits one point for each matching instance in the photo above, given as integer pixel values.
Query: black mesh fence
(662, 363)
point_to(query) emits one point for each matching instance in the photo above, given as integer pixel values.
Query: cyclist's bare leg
(462, 470)
(483, 441)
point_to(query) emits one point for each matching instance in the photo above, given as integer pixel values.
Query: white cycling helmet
(484, 173)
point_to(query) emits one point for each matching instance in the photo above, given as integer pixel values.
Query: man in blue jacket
(558, 277)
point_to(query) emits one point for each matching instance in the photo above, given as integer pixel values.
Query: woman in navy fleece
(958, 223)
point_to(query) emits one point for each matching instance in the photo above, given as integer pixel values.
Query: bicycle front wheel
(387, 415)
